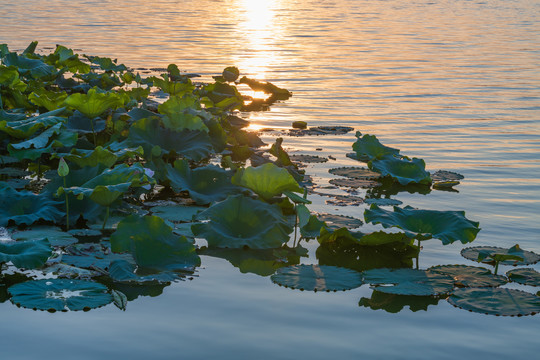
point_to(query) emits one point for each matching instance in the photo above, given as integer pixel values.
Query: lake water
(456, 83)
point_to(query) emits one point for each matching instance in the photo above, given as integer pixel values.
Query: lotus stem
(496, 267)
(67, 204)
(106, 218)
(93, 132)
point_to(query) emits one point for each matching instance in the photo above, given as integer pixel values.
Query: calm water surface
(456, 83)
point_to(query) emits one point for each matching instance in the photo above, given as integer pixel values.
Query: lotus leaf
(28, 254)
(153, 244)
(205, 184)
(376, 238)
(470, 276)
(262, 262)
(176, 118)
(383, 201)
(177, 213)
(409, 282)
(124, 272)
(308, 158)
(85, 125)
(499, 301)
(68, 271)
(489, 255)
(310, 225)
(177, 88)
(393, 303)
(355, 173)
(106, 63)
(317, 278)
(267, 180)
(241, 221)
(23, 129)
(444, 175)
(281, 155)
(92, 256)
(34, 67)
(25, 207)
(65, 57)
(368, 147)
(525, 276)
(119, 299)
(9, 77)
(354, 183)
(447, 226)
(50, 100)
(335, 222)
(95, 102)
(55, 235)
(404, 170)
(39, 141)
(195, 145)
(60, 295)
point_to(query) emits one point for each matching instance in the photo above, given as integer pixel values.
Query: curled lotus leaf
(355, 173)
(491, 254)
(106, 63)
(470, 276)
(267, 180)
(153, 244)
(55, 235)
(125, 272)
(525, 276)
(177, 213)
(148, 133)
(241, 221)
(60, 295)
(26, 66)
(29, 254)
(409, 282)
(95, 102)
(368, 147)
(498, 301)
(23, 129)
(317, 278)
(310, 225)
(393, 303)
(403, 170)
(205, 184)
(447, 226)
(25, 207)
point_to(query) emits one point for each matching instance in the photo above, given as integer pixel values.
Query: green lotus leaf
(50, 100)
(470, 276)
(447, 226)
(335, 222)
(65, 57)
(106, 63)
(29, 254)
(95, 102)
(84, 125)
(9, 77)
(23, 129)
(195, 145)
(72, 272)
(231, 73)
(35, 67)
(310, 226)
(403, 170)
(106, 187)
(60, 295)
(355, 173)
(368, 147)
(525, 276)
(223, 95)
(94, 157)
(92, 256)
(241, 221)
(267, 180)
(56, 138)
(178, 88)
(376, 238)
(262, 262)
(409, 282)
(39, 141)
(383, 202)
(124, 272)
(492, 254)
(393, 303)
(55, 235)
(178, 213)
(177, 118)
(266, 87)
(153, 244)
(317, 278)
(25, 207)
(205, 184)
(499, 301)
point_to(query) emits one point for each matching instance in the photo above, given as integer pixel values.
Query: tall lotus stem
(106, 218)
(63, 171)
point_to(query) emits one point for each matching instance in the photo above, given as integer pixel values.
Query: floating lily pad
(60, 295)
(124, 272)
(317, 278)
(335, 222)
(393, 303)
(499, 301)
(68, 271)
(470, 276)
(525, 276)
(488, 252)
(55, 235)
(177, 213)
(308, 158)
(409, 282)
(86, 235)
(28, 254)
(383, 201)
(355, 173)
(447, 226)
(443, 176)
(342, 200)
(241, 221)
(354, 183)
(92, 256)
